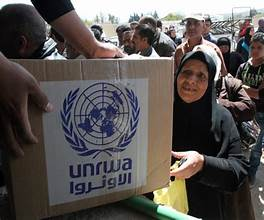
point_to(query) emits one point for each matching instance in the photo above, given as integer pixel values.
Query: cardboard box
(109, 137)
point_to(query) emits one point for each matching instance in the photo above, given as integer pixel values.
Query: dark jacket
(235, 60)
(208, 128)
(164, 45)
(231, 95)
(243, 48)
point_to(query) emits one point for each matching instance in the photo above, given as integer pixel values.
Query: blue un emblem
(101, 118)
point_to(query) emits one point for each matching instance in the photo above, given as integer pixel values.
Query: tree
(253, 12)
(173, 17)
(97, 19)
(102, 18)
(155, 15)
(113, 19)
(134, 17)
(87, 22)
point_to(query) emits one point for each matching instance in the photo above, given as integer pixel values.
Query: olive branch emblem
(79, 145)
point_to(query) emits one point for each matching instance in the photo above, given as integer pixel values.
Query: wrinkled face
(257, 50)
(194, 28)
(224, 48)
(192, 81)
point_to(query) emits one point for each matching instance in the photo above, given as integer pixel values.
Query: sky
(123, 8)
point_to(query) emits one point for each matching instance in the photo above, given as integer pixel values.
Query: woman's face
(192, 81)
(224, 48)
(257, 50)
(252, 31)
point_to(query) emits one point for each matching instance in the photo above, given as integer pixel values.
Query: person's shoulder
(242, 65)
(179, 50)
(165, 39)
(240, 41)
(154, 53)
(232, 83)
(212, 45)
(240, 70)
(181, 46)
(224, 114)
(235, 55)
(208, 43)
(213, 39)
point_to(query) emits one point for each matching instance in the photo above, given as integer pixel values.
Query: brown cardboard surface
(29, 174)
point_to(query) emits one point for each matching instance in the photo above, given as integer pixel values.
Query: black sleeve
(239, 45)
(52, 9)
(226, 171)
(239, 71)
(261, 94)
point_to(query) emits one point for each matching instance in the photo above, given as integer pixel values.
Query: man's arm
(62, 16)
(82, 39)
(17, 85)
(238, 102)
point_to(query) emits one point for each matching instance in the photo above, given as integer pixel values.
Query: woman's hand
(193, 164)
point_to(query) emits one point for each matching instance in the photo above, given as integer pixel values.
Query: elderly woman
(205, 136)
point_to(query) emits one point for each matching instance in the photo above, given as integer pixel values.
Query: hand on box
(193, 164)
(17, 85)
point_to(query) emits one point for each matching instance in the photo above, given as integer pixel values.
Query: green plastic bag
(174, 195)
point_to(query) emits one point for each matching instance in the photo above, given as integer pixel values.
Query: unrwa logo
(102, 118)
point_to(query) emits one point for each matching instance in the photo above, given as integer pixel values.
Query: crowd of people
(215, 90)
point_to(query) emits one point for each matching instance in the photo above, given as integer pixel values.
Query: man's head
(129, 46)
(172, 33)
(133, 24)
(119, 31)
(241, 25)
(159, 25)
(194, 25)
(149, 20)
(24, 30)
(257, 46)
(224, 44)
(97, 34)
(98, 31)
(261, 24)
(143, 37)
(207, 25)
(98, 27)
